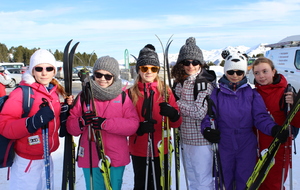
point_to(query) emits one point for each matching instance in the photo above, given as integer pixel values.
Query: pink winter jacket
(13, 126)
(121, 121)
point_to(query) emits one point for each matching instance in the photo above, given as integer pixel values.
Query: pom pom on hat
(109, 64)
(234, 61)
(190, 51)
(41, 56)
(147, 56)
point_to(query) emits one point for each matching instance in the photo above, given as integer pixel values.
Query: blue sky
(109, 27)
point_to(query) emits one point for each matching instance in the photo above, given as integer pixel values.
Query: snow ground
(128, 175)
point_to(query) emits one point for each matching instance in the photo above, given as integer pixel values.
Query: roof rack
(284, 44)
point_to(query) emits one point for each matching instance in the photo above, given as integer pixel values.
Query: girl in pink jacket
(113, 114)
(28, 169)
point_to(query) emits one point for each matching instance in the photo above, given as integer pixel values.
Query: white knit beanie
(42, 56)
(38, 57)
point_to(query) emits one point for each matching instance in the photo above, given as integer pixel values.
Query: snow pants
(197, 162)
(116, 178)
(29, 174)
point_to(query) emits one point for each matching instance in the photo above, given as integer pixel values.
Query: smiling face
(263, 73)
(191, 68)
(235, 76)
(148, 75)
(43, 73)
(103, 78)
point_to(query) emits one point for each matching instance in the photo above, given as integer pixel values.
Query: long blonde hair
(136, 94)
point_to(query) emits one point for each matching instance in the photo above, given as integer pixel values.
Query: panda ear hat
(234, 61)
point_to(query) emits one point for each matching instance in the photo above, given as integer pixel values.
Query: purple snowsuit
(236, 114)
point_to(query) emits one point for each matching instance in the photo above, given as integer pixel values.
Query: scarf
(108, 93)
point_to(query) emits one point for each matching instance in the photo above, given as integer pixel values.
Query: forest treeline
(22, 54)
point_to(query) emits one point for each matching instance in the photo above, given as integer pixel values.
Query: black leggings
(139, 169)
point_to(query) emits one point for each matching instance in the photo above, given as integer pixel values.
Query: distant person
(272, 87)
(238, 108)
(28, 169)
(192, 84)
(4, 80)
(113, 115)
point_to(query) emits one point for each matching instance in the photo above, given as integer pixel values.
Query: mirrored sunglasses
(40, 69)
(238, 73)
(100, 75)
(194, 62)
(154, 69)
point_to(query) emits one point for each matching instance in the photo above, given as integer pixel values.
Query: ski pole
(45, 136)
(218, 173)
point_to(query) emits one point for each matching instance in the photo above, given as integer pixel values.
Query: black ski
(264, 164)
(68, 178)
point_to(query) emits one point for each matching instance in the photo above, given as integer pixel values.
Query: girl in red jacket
(271, 87)
(147, 95)
(28, 169)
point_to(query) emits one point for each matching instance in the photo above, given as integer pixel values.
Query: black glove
(169, 111)
(87, 118)
(146, 127)
(64, 113)
(283, 136)
(97, 122)
(41, 118)
(212, 135)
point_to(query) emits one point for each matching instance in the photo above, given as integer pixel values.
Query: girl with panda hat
(238, 108)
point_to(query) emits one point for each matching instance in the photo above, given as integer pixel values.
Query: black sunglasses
(238, 73)
(100, 75)
(194, 62)
(40, 69)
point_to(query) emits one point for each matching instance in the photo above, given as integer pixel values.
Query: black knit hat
(190, 51)
(147, 56)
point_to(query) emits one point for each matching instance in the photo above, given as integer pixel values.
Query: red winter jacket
(138, 144)
(13, 126)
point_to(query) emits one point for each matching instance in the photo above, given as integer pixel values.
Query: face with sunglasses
(103, 78)
(43, 73)
(235, 76)
(191, 66)
(148, 73)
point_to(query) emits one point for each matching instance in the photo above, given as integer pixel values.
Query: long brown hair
(136, 94)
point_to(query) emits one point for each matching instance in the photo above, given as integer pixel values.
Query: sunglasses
(100, 75)
(238, 73)
(40, 69)
(194, 62)
(154, 69)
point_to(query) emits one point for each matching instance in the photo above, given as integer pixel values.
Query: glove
(41, 118)
(64, 113)
(283, 136)
(212, 135)
(146, 127)
(169, 111)
(87, 118)
(97, 122)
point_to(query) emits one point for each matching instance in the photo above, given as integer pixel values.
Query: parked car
(16, 77)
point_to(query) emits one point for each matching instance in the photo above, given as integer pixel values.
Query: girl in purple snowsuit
(238, 108)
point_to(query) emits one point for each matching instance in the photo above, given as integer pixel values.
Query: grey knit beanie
(190, 51)
(109, 64)
(147, 56)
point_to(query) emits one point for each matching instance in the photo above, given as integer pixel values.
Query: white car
(15, 76)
